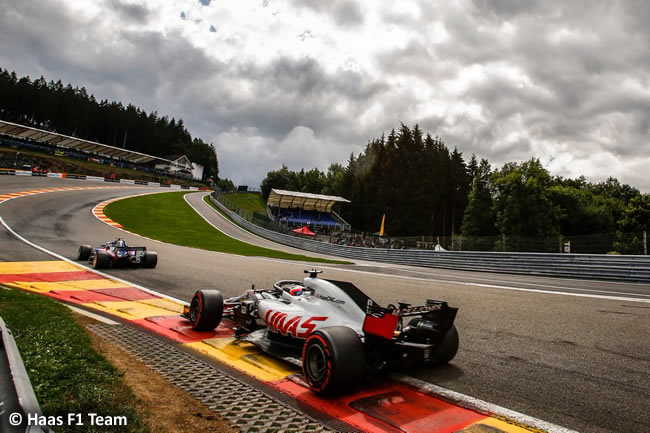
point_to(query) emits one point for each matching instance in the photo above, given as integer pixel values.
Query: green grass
(213, 206)
(247, 202)
(167, 217)
(67, 374)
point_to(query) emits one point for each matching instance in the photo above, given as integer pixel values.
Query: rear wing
(136, 249)
(382, 322)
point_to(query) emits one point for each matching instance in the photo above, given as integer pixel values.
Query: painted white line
(79, 265)
(402, 277)
(452, 396)
(481, 406)
(501, 287)
(92, 315)
(226, 219)
(434, 279)
(62, 189)
(581, 295)
(268, 259)
(237, 226)
(299, 251)
(105, 203)
(469, 277)
(491, 286)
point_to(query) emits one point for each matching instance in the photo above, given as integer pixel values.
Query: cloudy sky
(306, 82)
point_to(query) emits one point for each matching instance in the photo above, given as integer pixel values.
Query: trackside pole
(645, 243)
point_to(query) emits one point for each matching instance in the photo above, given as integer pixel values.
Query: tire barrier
(584, 266)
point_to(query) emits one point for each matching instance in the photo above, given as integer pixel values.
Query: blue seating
(307, 217)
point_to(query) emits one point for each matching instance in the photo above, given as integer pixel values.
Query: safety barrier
(592, 266)
(96, 179)
(17, 399)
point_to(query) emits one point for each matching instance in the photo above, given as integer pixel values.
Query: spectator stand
(298, 209)
(50, 142)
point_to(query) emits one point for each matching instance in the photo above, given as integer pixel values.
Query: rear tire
(101, 260)
(206, 310)
(333, 360)
(447, 349)
(150, 259)
(84, 252)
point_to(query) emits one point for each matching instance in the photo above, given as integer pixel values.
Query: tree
(479, 219)
(635, 221)
(72, 111)
(522, 200)
(279, 179)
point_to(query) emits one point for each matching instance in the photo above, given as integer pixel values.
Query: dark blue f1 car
(117, 254)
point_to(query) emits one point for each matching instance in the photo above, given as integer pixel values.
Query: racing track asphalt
(580, 362)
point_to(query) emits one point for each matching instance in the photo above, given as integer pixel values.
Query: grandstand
(303, 209)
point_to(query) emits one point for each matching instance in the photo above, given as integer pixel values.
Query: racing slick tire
(447, 349)
(150, 259)
(206, 310)
(84, 252)
(333, 360)
(101, 260)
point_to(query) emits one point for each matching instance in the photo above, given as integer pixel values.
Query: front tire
(447, 349)
(84, 252)
(333, 360)
(101, 260)
(150, 260)
(206, 310)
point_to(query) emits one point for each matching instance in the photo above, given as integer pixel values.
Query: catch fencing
(593, 266)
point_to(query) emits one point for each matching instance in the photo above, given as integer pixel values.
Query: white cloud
(505, 80)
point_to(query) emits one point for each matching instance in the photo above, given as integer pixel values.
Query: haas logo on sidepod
(279, 322)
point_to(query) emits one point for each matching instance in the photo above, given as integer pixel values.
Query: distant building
(180, 165)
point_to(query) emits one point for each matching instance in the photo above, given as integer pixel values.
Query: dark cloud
(343, 12)
(130, 12)
(566, 81)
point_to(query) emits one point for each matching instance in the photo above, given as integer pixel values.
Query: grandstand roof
(42, 136)
(303, 200)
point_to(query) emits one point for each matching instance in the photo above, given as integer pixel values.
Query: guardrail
(17, 398)
(14, 172)
(593, 266)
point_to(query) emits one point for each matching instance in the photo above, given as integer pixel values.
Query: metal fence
(598, 243)
(607, 267)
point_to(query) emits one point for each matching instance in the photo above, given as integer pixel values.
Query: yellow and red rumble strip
(98, 211)
(12, 195)
(386, 406)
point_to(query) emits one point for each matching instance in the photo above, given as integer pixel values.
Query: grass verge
(247, 201)
(167, 217)
(67, 374)
(213, 206)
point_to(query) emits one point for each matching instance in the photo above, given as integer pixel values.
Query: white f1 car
(340, 334)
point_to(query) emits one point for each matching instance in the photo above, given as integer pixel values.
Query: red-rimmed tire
(102, 260)
(206, 310)
(333, 360)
